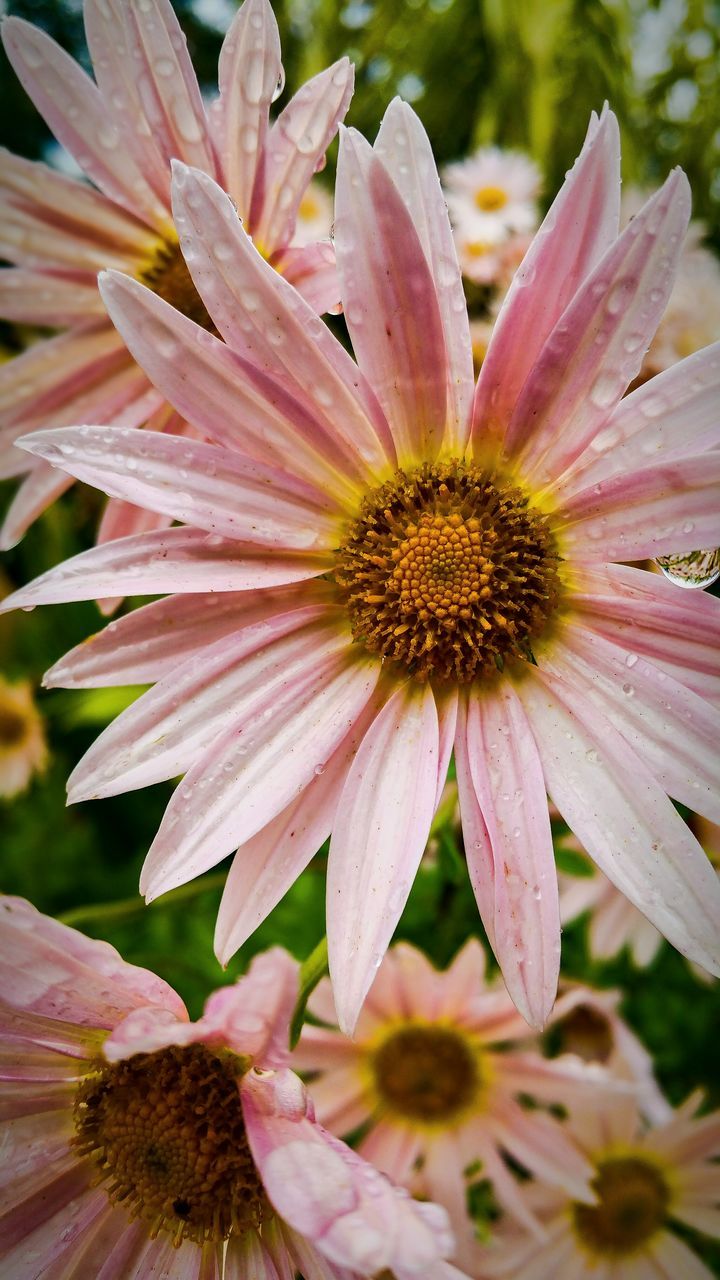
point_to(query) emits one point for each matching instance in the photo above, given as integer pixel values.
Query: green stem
(311, 971)
(132, 906)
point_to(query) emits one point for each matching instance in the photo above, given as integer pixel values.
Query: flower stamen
(168, 277)
(633, 1200)
(427, 1073)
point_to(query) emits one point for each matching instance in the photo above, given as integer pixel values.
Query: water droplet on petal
(693, 569)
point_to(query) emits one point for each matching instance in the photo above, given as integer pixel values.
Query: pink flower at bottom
(138, 1144)
(434, 1076)
(646, 1181)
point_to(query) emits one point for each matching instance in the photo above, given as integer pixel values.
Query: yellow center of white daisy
(490, 199)
(12, 727)
(448, 572)
(166, 1131)
(633, 1201)
(168, 276)
(426, 1073)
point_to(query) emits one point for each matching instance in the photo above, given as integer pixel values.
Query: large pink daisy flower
(138, 1144)
(647, 1181)
(381, 567)
(144, 110)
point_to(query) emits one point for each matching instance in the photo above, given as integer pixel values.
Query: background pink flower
(123, 129)
(140, 1144)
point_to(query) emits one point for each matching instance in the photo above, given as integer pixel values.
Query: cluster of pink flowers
(369, 563)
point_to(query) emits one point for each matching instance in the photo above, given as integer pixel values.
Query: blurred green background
(512, 72)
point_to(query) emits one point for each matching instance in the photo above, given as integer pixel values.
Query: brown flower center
(490, 199)
(426, 1073)
(12, 727)
(587, 1033)
(448, 572)
(633, 1204)
(168, 277)
(166, 1130)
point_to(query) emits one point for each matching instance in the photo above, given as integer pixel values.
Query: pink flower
(23, 749)
(646, 1181)
(376, 567)
(123, 131)
(138, 1144)
(433, 1076)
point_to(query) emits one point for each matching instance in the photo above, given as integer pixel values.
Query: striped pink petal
(296, 149)
(382, 824)
(223, 492)
(51, 299)
(581, 224)
(623, 818)
(598, 344)
(39, 489)
(159, 562)
(249, 72)
(253, 771)
(75, 111)
(508, 780)
(404, 148)
(390, 300)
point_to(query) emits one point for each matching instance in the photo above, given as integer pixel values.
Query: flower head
(23, 749)
(646, 1181)
(434, 1075)
(492, 198)
(377, 566)
(141, 1144)
(143, 110)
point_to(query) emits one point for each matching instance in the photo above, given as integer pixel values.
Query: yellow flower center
(168, 276)
(12, 727)
(633, 1205)
(166, 1130)
(490, 199)
(448, 572)
(426, 1073)
(309, 207)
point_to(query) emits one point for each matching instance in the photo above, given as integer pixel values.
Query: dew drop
(693, 569)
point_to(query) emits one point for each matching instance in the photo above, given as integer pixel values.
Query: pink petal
(447, 709)
(508, 780)
(673, 415)
(223, 395)
(253, 771)
(249, 72)
(382, 824)
(341, 1100)
(49, 299)
(404, 148)
(50, 220)
(330, 1194)
(296, 149)
(545, 1147)
(75, 112)
(263, 319)
(266, 866)
(211, 488)
(144, 70)
(673, 1259)
(312, 270)
(624, 819)
(464, 980)
(57, 972)
(581, 224)
(152, 642)
(393, 1149)
(391, 304)
(122, 519)
(167, 730)
(598, 345)
(246, 1257)
(169, 560)
(647, 615)
(478, 849)
(44, 1227)
(37, 492)
(252, 1016)
(673, 731)
(671, 506)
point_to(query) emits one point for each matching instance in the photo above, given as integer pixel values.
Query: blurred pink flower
(394, 567)
(23, 749)
(646, 1182)
(433, 1076)
(138, 1144)
(123, 131)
